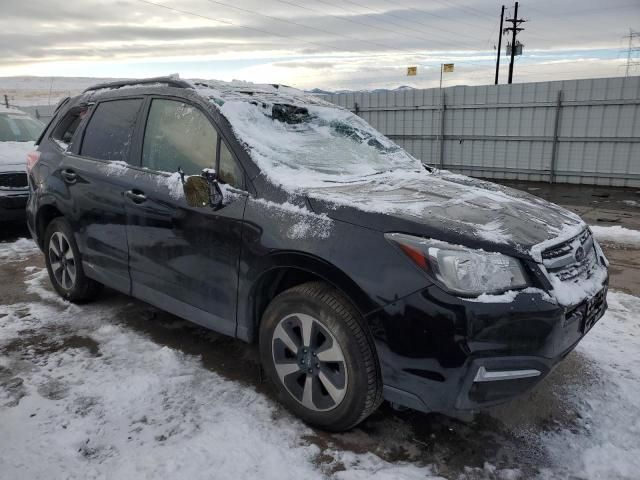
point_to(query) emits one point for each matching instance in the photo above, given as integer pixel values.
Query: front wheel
(64, 264)
(321, 359)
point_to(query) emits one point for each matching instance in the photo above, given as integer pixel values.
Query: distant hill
(30, 91)
(25, 91)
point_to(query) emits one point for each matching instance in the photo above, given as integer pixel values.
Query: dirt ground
(498, 436)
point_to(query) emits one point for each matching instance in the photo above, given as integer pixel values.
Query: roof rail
(170, 81)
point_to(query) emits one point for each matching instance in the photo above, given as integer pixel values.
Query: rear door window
(109, 134)
(178, 135)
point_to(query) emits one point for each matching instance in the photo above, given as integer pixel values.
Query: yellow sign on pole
(447, 67)
(412, 71)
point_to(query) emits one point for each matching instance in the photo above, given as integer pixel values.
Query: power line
(457, 21)
(307, 26)
(421, 37)
(267, 32)
(378, 12)
(471, 10)
(345, 19)
(228, 22)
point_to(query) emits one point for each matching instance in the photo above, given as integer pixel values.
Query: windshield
(16, 127)
(314, 145)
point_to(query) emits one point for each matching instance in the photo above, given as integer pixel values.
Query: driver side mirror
(204, 190)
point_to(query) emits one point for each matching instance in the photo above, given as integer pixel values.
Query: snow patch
(616, 234)
(115, 167)
(18, 250)
(493, 232)
(307, 223)
(509, 296)
(569, 293)
(64, 146)
(567, 232)
(173, 183)
(604, 444)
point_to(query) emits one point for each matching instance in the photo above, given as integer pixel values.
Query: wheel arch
(46, 213)
(286, 270)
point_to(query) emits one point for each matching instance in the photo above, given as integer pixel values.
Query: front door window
(178, 135)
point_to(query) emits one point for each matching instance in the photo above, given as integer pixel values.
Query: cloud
(370, 41)
(312, 64)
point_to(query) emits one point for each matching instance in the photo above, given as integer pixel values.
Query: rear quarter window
(109, 134)
(66, 128)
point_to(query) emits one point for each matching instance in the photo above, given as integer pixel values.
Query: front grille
(13, 180)
(572, 260)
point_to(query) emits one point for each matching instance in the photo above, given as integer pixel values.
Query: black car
(18, 132)
(276, 217)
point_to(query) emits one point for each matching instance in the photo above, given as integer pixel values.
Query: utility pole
(499, 44)
(514, 29)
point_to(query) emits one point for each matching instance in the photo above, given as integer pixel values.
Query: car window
(110, 130)
(19, 128)
(230, 171)
(178, 135)
(66, 128)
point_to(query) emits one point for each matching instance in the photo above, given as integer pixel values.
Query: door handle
(136, 196)
(69, 175)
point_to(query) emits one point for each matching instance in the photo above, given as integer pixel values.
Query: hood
(13, 155)
(449, 207)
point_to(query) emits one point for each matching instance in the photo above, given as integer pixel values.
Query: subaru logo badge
(579, 255)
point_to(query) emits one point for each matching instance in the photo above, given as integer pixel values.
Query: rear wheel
(64, 263)
(322, 361)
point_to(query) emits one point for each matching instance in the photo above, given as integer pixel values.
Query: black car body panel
(457, 206)
(219, 267)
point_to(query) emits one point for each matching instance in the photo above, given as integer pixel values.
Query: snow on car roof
(239, 91)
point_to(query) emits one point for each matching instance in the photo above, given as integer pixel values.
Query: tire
(64, 264)
(332, 379)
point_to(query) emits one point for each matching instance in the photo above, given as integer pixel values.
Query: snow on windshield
(315, 145)
(300, 141)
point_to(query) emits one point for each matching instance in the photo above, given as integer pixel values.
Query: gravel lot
(119, 389)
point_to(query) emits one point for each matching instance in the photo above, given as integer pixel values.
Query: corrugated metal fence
(576, 131)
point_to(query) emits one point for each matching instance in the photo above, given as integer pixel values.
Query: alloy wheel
(309, 362)
(62, 260)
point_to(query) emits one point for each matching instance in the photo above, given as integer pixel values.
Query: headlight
(460, 269)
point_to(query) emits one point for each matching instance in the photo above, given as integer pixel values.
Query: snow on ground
(84, 395)
(19, 249)
(607, 443)
(616, 234)
(118, 405)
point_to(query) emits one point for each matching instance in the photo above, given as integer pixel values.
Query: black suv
(275, 217)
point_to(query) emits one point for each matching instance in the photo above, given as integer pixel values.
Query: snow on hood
(308, 146)
(14, 154)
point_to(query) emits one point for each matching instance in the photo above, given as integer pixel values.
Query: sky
(326, 44)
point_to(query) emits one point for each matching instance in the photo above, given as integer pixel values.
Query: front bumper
(13, 204)
(442, 353)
